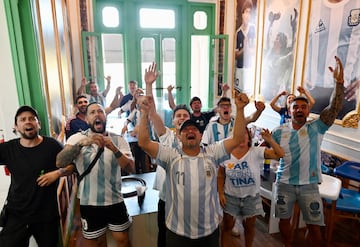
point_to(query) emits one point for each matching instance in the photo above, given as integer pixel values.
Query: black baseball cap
(26, 108)
(189, 122)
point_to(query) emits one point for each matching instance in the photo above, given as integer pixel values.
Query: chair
(348, 203)
(329, 190)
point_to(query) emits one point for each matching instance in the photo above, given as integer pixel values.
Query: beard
(29, 136)
(98, 127)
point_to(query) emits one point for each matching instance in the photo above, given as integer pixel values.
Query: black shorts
(96, 220)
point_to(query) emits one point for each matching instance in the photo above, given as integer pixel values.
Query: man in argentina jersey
(299, 171)
(102, 206)
(192, 208)
(167, 137)
(334, 30)
(221, 127)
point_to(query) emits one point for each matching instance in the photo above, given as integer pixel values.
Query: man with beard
(31, 204)
(299, 171)
(102, 206)
(191, 189)
(78, 123)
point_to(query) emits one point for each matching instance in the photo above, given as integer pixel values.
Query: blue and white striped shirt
(215, 131)
(301, 163)
(192, 207)
(334, 30)
(102, 186)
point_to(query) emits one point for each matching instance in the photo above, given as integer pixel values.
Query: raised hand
(241, 100)
(266, 135)
(118, 90)
(151, 74)
(338, 72)
(170, 88)
(83, 81)
(293, 21)
(108, 79)
(259, 105)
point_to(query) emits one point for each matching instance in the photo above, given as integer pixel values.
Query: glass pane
(200, 68)
(147, 54)
(168, 69)
(110, 17)
(157, 18)
(200, 20)
(93, 54)
(113, 63)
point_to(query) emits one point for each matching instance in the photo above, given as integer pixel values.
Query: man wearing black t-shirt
(201, 118)
(31, 204)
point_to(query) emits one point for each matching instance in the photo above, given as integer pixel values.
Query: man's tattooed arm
(328, 115)
(67, 155)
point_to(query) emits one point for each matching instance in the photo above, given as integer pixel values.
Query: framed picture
(326, 39)
(245, 46)
(279, 46)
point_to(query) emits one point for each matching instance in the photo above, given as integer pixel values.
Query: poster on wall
(334, 30)
(280, 32)
(245, 45)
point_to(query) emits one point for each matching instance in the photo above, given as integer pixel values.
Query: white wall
(8, 93)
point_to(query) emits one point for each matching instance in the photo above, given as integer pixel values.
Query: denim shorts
(308, 198)
(245, 207)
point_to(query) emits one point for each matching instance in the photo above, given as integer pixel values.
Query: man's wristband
(61, 171)
(118, 154)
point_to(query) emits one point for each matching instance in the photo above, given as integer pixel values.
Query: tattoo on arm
(67, 155)
(328, 115)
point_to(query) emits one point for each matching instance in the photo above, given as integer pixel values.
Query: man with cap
(191, 181)
(168, 138)
(31, 204)
(201, 118)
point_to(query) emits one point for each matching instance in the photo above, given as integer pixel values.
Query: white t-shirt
(243, 175)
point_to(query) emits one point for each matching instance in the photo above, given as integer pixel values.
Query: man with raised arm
(299, 172)
(192, 207)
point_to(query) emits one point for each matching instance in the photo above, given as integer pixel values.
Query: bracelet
(118, 154)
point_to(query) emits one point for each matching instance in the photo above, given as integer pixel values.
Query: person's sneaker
(236, 229)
